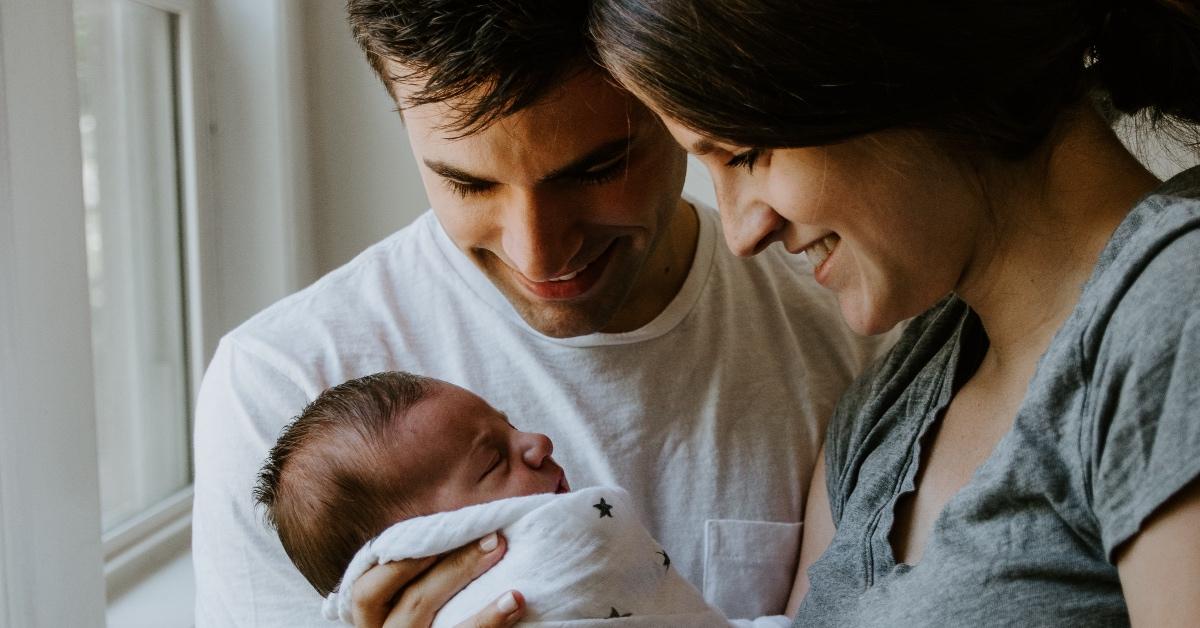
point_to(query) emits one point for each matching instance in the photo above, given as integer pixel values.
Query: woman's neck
(1052, 216)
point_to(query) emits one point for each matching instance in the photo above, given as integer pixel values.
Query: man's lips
(571, 285)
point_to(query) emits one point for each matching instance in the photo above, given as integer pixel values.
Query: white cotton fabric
(575, 557)
(713, 411)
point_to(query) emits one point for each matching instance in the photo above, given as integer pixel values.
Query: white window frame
(135, 548)
(244, 204)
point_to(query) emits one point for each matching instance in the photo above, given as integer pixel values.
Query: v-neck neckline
(964, 359)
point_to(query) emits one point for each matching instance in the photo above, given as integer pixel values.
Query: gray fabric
(1109, 430)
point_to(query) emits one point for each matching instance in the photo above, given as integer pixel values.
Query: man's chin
(559, 321)
(568, 318)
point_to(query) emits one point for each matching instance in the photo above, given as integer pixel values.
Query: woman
(1028, 454)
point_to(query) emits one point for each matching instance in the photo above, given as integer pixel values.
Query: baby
(393, 466)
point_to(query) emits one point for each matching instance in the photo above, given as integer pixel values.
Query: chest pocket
(749, 566)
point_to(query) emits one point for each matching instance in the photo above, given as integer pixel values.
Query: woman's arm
(1160, 567)
(818, 532)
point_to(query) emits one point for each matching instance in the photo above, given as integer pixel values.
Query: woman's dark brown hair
(987, 74)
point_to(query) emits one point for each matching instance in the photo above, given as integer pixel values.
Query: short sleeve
(1145, 445)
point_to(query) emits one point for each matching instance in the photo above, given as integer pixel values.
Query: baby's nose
(537, 449)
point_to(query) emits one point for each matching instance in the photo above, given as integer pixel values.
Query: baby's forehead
(450, 412)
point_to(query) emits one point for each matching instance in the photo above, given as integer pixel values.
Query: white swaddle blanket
(576, 557)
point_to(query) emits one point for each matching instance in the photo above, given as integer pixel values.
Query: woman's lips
(819, 253)
(572, 285)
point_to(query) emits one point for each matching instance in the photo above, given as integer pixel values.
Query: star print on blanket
(575, 568)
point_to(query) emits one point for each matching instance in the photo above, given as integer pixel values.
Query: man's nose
(539, 237)
(535, 449)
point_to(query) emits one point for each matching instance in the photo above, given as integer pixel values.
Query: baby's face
(462, 451)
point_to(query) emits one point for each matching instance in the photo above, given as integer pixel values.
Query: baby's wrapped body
(580, 559)
(383, 448)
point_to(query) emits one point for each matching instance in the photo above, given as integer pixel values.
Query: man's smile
(574, 284)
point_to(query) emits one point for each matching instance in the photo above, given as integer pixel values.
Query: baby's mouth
(563, 487)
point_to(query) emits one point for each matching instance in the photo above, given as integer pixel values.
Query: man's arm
(818, 533)
(1160, 567)
(243, 577)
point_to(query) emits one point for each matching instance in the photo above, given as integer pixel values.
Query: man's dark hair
(326, 484)
(491, 58)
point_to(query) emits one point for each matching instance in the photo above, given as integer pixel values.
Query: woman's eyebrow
(701, 147)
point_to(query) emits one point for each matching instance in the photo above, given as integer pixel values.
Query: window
(136, 129)
(127, 64)
(161, 271)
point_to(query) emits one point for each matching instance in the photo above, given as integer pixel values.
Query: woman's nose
(750, 230)
(535, 449)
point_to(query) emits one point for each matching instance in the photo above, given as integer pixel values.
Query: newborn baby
(394, 466)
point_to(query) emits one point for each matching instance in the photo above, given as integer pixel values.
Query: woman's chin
(864, 318)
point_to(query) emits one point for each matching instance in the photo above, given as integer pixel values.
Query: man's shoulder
(380, 275)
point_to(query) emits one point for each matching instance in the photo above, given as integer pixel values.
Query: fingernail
(508, 603)
(489, 543)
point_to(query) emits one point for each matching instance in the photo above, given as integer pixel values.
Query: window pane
(128, 95)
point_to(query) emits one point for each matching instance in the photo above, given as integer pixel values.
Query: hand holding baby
(409, 593)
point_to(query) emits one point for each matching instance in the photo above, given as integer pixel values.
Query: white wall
(364, 182)
(260, 214)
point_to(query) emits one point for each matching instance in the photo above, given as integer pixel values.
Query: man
(561, 277)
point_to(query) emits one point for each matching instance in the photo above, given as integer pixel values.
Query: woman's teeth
(819, 252)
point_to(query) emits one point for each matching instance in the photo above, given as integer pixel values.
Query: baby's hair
(326, 484)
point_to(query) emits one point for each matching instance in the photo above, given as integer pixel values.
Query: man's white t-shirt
(711, 415)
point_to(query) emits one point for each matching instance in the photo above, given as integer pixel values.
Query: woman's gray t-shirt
(1109, 430)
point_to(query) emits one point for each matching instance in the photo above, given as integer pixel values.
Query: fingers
(502, 613)
(374, 592)
(424, 597)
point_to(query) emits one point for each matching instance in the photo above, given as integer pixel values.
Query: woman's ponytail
(1147, 57)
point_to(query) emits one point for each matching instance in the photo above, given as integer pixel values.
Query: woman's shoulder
(1141, 362)
(1147, 285)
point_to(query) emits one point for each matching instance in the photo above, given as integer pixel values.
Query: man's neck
(664, 273)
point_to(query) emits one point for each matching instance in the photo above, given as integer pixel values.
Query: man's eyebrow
(599, 155)
(458, 174)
